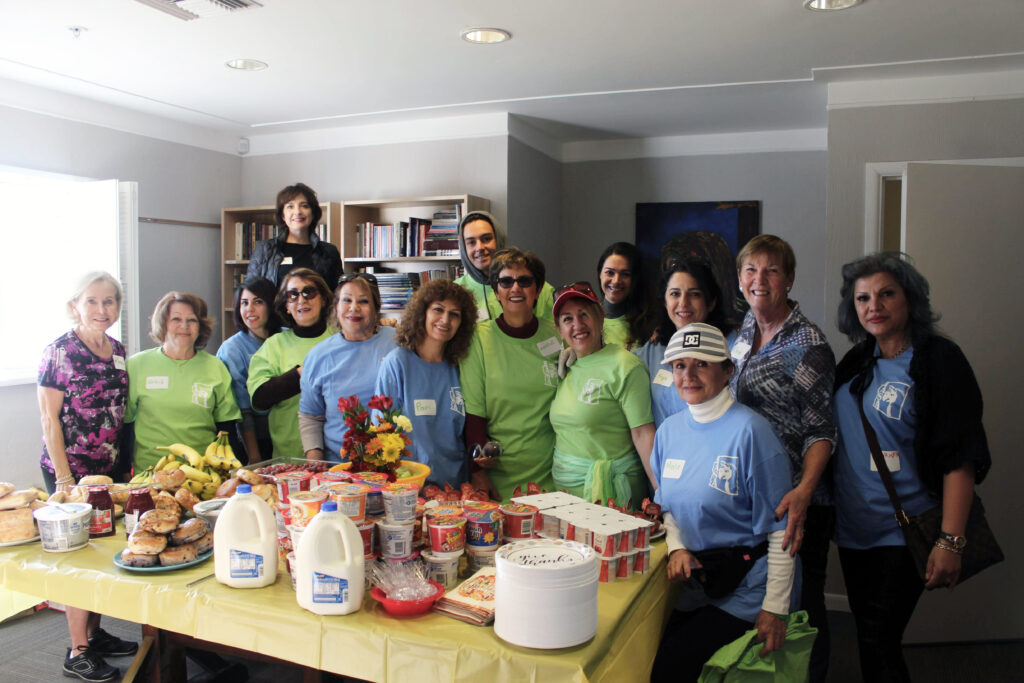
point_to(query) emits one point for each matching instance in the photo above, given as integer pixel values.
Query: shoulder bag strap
(883, 470)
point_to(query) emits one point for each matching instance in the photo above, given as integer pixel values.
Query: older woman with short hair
(785, 371)
(904, 375)
(178, 393)
(297, 245)
(304, 303)
(345, 364)
(422, 376)
(509, 379)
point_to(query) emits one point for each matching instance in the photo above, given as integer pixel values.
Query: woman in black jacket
(923, 402)
(297, 246)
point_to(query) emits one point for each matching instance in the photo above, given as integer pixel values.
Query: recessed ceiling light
(486, 36)
(77, 31)
(826, 5)
(247, 64)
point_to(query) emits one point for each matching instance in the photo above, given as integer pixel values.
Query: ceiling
(576, 69)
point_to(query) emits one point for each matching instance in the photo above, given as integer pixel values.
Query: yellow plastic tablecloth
(368, 644)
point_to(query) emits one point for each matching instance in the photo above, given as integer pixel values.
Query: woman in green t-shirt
(604, 429)
(629, 313)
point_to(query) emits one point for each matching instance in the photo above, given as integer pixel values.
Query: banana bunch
(203, 473)
(219, 454)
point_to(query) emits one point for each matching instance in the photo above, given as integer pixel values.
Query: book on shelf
(249, 233)
(472, 601)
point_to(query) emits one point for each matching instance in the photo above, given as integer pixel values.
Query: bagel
(136, 560)
(119, 493)
(227, 489)
(57, 497)
(189, 532)
(267, 492)
(146, 543)
(185, 498)
(17, 499)
(158, 521)
(248, 476)
(205, 543)
(94, 480)
(5, 488)
(179, 555)
(168, 480)
(165, 501)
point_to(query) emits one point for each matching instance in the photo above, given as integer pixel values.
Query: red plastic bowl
(407, 608)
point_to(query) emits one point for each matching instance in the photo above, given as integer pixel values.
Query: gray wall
(535, 206)
(175, 182)
(599, 205)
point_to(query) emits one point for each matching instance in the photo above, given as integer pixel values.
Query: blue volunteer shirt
(722, 481)
(864, 515)
(335, 368)
(236, 352)
(430, 396)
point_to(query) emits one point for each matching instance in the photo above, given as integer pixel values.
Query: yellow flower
(403, 423)
(391, 447)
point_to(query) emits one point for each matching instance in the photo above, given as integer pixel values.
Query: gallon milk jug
(245, 545)
(329, 564)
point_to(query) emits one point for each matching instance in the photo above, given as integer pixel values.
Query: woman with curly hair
(422, 377)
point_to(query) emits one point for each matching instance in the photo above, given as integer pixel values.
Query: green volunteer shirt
(492, 309)
(603, 397)
(511, 382)
(279, 354)
(172, 401)
(616, 331)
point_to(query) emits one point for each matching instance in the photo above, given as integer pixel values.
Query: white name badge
(424, 406)
(663, 377)
(286, 261)
(157, 382)
(119, 362)
(740, 350)
(673, 469)
(549, 346)
(892, 461)
(483, 314)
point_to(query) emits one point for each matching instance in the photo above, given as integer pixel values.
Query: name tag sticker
(673, 469)
(483, 314)
(892, 461)
(119, 362)
(549, 346)
(424, 406)
(286, 261)
(664, 378)
(740, 350)
(155, 382)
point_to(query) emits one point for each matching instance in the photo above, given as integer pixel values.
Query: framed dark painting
(657, 223)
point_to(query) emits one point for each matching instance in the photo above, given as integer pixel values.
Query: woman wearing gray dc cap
(720, 471)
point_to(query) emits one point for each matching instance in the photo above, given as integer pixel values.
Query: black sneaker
(89, 666)
(102, 643)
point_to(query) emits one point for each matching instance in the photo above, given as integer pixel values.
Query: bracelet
(945, 546)
(65, 479)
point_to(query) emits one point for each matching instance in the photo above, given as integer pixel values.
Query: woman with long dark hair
(629, 315)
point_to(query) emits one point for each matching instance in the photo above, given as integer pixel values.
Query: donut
(189, 532)
(248, 476)
(158, 521)
(185, 498)
(227, 489)
(136, 560)
(205, 543)
(179, 555)
(146, 543)
(168, 480)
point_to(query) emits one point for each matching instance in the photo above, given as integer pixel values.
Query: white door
(964, 228)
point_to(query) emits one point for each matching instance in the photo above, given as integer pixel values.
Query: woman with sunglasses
(691, 295)
(304, 302)
(346, 364)
(629, 317)
(422, 376)
(509, 378)
(601, 413)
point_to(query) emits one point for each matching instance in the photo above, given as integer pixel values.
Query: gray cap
(697, 340)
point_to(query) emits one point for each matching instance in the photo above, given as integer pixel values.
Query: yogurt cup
(627, 539)
(609, 569)
(289, 563)
(626, 565)
(395, 539)
(63, 527)
(483, 528)
(519, 520)
(642, 560)
(478, 558)
(400, 502)
(295, 532)
(367, 531)
(305, 505)
(442, 567)
(292, 482)
(447, 534)
(351, 499)
(605, 539)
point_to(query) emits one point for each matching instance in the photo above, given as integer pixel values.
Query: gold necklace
(900, 351)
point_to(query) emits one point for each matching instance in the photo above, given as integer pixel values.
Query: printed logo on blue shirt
(890, 398)
(724, 474)
(455, 396)
(591, 392)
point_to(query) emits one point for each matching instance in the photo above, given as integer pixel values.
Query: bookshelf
(358, 216)
(240, 230)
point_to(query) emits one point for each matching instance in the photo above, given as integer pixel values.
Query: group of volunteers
(747, 433)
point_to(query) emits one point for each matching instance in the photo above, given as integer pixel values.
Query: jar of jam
(139, 501)
(102, 521)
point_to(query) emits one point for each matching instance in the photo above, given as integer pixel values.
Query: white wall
(175, 182)
(535, 206)
(599, 205)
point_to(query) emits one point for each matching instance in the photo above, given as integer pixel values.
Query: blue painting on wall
(657, 223)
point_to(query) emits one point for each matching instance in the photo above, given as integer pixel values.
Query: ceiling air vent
(188, 10)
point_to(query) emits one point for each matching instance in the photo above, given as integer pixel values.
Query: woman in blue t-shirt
(422, 377)
(721, 473)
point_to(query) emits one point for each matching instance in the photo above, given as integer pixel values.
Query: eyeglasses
(308, 293)
(349, 277)
(581, 287)
(523, 281)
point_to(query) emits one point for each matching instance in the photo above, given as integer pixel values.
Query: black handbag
(722, 569)
(921, 531)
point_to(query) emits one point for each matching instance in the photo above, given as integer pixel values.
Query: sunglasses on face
(349, 277)
(308, 293)
(581, 287)
(523, 281)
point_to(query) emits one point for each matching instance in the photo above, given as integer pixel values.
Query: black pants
(818, 528)
(690, 639)
(883, 588)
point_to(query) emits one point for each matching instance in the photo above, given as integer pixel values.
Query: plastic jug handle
(267, 523)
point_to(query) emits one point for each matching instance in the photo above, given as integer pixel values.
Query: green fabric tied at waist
(741, 659)
(601, 479)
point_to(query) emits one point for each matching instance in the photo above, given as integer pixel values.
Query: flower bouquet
(374, 444)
